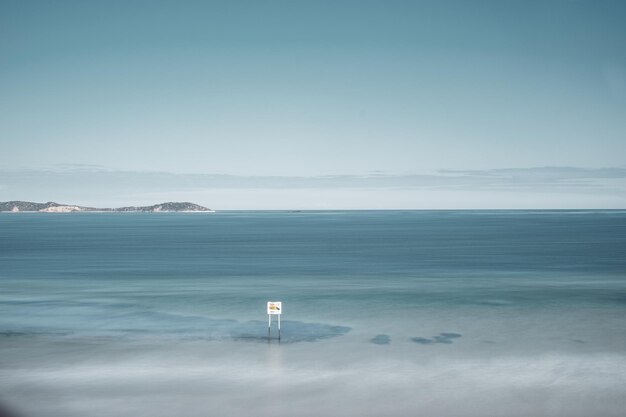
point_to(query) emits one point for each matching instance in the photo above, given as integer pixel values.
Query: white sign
(274, 307)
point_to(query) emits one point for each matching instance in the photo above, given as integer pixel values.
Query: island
(52, 207)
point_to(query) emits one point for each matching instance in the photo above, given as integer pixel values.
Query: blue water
(385, 313)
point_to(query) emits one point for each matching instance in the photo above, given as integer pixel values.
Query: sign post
(274, 308)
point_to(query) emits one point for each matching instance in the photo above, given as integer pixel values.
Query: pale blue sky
(296, 89)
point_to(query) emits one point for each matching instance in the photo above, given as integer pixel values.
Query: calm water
(433, 313)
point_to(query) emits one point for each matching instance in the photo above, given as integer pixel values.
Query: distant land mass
(52, 207)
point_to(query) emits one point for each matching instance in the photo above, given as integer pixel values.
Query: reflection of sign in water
(274, 307)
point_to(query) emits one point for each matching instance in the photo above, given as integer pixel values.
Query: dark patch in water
(494, 303)
(13, 334)
(449, 335)
(422, 340)
(445, 338)
(5, 412)
(578, 341)
(381, 339)
(10, 333)
(291, 331)
(203, 328)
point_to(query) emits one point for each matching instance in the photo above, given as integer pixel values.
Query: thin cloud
(554, 178)
(544, 173)
(543, 187)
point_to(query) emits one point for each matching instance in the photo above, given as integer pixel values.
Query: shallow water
(435, 313)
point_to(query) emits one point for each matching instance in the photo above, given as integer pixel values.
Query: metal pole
(279, 327)
(269, 325)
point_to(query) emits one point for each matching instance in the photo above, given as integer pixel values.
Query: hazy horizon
(534, 188)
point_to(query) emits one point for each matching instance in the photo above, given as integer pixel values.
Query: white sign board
(274, 307)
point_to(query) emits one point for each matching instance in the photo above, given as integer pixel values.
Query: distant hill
(52, 207)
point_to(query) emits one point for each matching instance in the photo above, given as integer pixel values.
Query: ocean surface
(385, 313)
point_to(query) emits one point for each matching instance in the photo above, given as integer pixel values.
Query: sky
(314, 104)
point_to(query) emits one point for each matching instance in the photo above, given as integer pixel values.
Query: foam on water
(200, 379)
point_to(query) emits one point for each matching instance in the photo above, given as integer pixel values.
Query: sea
(384, 313)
